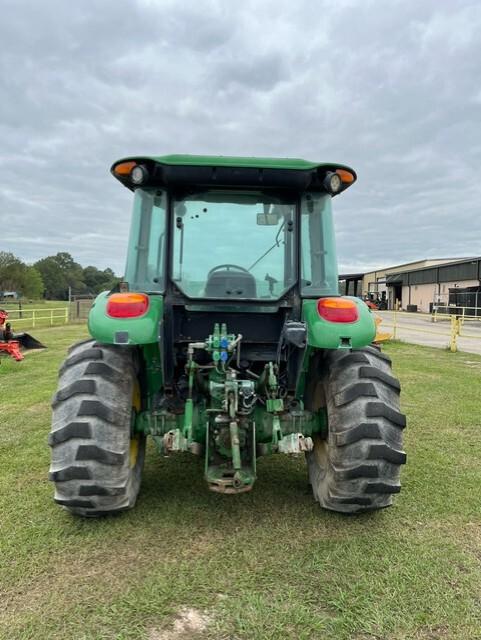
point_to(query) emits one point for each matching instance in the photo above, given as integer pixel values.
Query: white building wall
(423, 294)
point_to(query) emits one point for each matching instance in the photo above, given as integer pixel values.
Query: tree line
(52, 277)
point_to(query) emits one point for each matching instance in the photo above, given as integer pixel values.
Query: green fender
(142, 330)
(322, 334)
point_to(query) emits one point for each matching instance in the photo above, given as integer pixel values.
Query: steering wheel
(228, 267)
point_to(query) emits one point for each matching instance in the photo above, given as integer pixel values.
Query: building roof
(351, 276)
(456, 270)
(438, 261)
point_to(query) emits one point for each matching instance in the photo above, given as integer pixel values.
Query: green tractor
(228, 339)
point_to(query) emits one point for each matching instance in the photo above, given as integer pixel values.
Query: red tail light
(127, 305)
(338, 310)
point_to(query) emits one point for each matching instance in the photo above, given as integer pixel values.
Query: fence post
(394, 325)
(454, 334)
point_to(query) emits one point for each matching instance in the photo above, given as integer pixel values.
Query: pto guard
(142, 329)
(323, 334)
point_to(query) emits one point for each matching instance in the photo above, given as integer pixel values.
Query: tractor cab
(209, 230)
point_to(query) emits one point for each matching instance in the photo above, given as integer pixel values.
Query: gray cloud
(392, 89)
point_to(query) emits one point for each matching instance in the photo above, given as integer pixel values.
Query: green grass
(266, 565)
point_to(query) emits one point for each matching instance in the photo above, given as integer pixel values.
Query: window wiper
(276, 244)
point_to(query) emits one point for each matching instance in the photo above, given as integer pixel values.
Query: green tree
(97, 280)
(52, 276)
(54, 280)
(111, 279)
(65, 261)
(33, 286)
(15, 275)
(12, 272)
(72, 271)
(60, 272)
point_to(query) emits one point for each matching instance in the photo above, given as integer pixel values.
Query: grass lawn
(266, 565)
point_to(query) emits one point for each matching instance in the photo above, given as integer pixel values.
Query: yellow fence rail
(462, 313)
(456, 325)
(38, 317)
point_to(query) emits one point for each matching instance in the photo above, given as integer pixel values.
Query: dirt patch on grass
(188, 623)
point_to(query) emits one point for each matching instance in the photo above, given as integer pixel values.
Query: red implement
(11, 342)
(13, 349)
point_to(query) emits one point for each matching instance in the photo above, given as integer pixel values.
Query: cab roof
(293, 173)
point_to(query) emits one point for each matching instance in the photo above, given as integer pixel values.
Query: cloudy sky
(391, 88)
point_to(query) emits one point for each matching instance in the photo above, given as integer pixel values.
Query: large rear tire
(96, 459)
(357, 468)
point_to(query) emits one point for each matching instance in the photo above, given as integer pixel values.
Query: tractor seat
(230, 283)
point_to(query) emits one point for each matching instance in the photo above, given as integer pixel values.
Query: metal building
(419, 289)
(418, 284)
